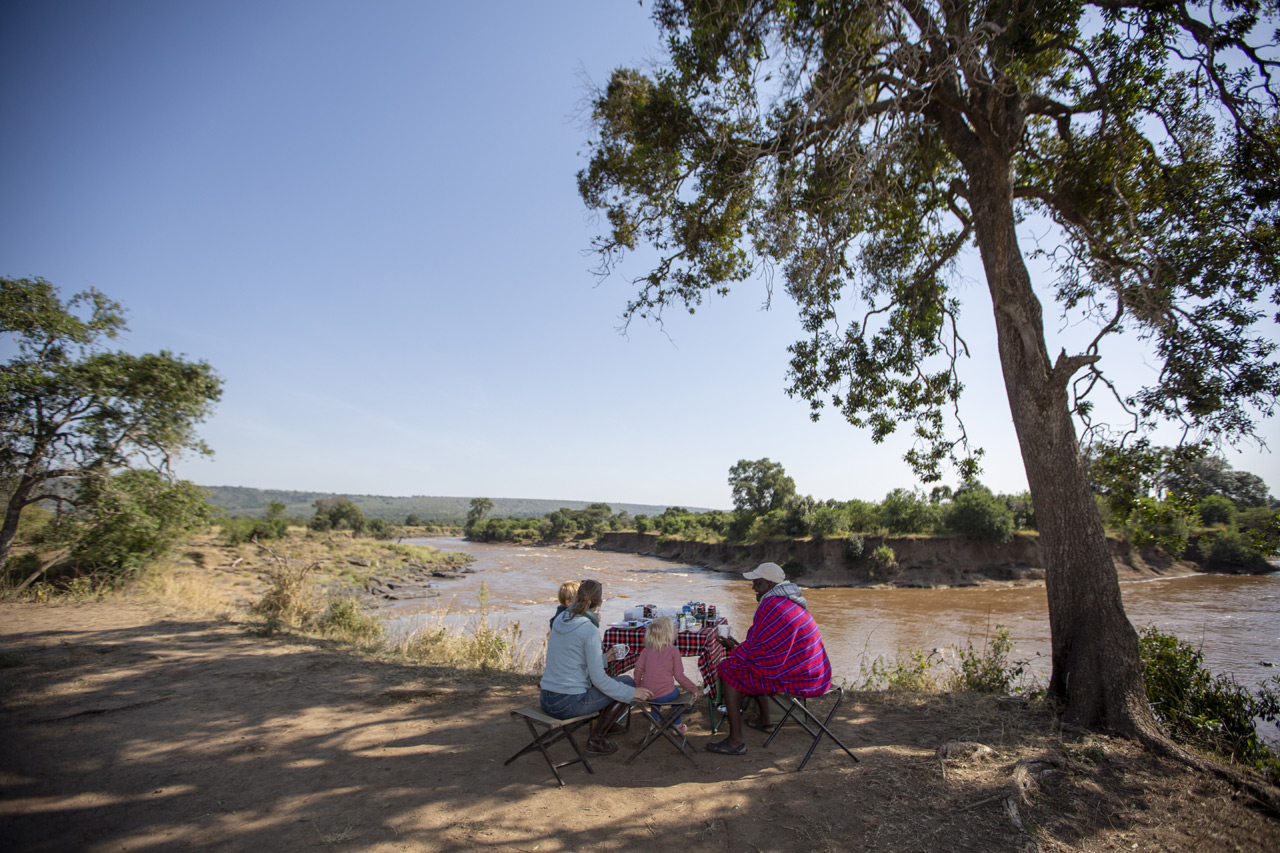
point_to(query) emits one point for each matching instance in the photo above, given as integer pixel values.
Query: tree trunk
(1097, 672)
(12, 513)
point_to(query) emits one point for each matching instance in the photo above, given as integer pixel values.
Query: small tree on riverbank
(72, 411)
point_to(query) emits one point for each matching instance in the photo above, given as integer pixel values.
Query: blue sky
(365, 217)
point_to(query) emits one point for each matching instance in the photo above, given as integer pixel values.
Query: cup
(723, 628)
(619, 651)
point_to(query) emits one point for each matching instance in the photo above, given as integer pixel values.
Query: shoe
(759, 726)
(601, 747)
(723, 748)
(682, 729)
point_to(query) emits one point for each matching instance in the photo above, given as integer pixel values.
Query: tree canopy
(71, 409)
(760, 486)
(858, 148)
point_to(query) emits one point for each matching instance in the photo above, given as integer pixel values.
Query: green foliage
(989, 670)
(1210, 712)
(1231, 551)
(853, 547)
(1165, 523)
(240, 529)
(126, 521)
(1216, 509)
(480, 507)
(828, 522)
(760, 486)
(338, 514)
(916, 673)
(904, 511)
(71, 409)
(981, 516)
(343, 617)
(1262, 526)
(884, 559)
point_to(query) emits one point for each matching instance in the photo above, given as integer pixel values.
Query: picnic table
(702, 644)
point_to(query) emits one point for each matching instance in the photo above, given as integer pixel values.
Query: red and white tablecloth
(700, 644)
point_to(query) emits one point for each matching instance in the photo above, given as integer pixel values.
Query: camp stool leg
(665, 727)
(800, 710)
(552, 731)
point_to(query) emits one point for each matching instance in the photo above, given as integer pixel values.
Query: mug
(619, 651)
(723, 628)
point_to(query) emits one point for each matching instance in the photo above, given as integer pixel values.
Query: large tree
(760, 486)
(71, 409)
(857, 148)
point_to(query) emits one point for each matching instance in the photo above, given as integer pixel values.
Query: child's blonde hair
(568, 591)
(660, 633)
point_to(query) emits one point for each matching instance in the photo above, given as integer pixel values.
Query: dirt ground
(133, 726)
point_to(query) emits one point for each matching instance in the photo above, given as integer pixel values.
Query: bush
(1230, 551)
(241, 529)
(1215, 509)
(989, 670)
(902, 511)
(828, 522)
(884, 559)
(1209, 712)
(344, 618)
(129, 520)
(981, 516)
(1262, 526)
(1165, 523)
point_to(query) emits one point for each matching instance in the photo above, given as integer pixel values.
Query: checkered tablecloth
(700, 644)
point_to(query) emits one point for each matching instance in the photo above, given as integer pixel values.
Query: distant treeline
(427, 510)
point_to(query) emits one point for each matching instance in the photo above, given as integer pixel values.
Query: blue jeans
(563, 706)
(669, 697)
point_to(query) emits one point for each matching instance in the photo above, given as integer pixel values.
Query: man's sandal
(759, 726)
(722, 747)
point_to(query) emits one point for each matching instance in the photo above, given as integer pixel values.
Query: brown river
(1234, 620)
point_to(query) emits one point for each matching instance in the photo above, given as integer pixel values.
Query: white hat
(767, 571)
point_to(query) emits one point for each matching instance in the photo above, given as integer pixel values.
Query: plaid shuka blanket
(782, 653)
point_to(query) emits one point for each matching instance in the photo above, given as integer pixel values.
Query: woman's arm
(610, 687)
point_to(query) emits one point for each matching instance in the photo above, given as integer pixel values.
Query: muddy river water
(1235, 620)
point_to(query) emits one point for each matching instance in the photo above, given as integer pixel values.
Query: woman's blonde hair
(568, 590)
(660, 633)
(590, 594)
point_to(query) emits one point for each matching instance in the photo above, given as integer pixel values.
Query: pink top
(659, 671)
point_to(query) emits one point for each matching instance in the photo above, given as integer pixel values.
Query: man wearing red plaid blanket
(782, 653)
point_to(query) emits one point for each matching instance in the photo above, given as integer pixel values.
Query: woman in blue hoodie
(574, 681)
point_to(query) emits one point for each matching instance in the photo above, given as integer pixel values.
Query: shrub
(241, 529)
(884, 559)
(130, 519)
(343, 617)
(903, 511)
(981, 516)
(989, 670)
(827, 522)
(1215, 509)
(1210, 712)
(862, 516)
(1165, 523)
(1262, 526)
(1230, 551)
(914, 673)
(853, 547)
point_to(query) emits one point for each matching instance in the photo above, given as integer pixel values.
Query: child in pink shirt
(659, 666)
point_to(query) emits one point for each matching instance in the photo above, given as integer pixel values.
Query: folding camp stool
(716, 716)
(799, 710)
(547, 730)
(665, 726)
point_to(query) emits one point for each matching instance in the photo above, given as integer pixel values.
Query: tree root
(1264, 794)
